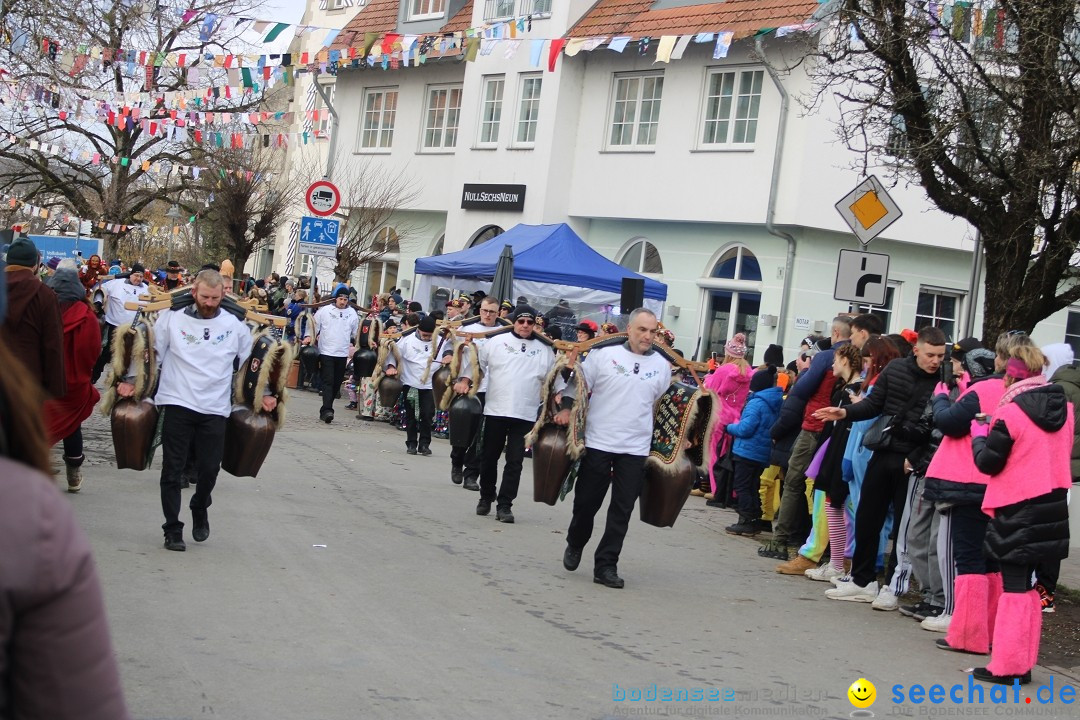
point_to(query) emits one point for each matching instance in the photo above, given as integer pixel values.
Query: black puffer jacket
(901, 384)
(1030, 532)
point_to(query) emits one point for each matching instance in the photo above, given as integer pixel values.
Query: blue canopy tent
(553, 268)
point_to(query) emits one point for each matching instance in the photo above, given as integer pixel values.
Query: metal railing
(506, 9)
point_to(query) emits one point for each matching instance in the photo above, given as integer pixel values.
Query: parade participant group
(868, 462)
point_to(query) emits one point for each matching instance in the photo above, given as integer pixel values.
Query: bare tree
(373, 199)
(249, 198)
(111, 171)
(981, 107)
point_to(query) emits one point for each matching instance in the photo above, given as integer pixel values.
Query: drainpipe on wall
(778, 152)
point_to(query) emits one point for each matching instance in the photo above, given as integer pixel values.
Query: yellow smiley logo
(862, 693)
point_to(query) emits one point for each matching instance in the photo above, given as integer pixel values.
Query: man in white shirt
(514, 364)
(116, 293)
(624, 382)
(465, 462)
(197, 347)
(416, 371)
(335, 329)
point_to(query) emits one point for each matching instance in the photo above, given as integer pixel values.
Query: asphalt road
(353, 581)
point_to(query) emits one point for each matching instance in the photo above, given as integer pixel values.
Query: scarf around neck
(1021, 386)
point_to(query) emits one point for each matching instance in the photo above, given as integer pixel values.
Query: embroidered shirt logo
(194, 339)
(622, 370)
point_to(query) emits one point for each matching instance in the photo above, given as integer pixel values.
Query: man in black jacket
(902, 391)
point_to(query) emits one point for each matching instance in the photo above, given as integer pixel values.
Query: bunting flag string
(349, 48)
(162, 169)
(32, 211)
(964, 20)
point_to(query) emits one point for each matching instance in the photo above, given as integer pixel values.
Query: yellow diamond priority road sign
(868, 210)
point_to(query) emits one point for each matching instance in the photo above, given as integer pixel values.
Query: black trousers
(333, 372)
(626, 476)
(73, 444)
(1016, 578)
(747, 487)
(885, 483)
(1047, 573)
(427, 414)
(469, 457)
(106, 354)
(499, 433)
(968, 532)
(179, 428)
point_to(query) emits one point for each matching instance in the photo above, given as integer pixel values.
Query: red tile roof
(744, 17)
(462, 20)
(378, 16)
(381, 17)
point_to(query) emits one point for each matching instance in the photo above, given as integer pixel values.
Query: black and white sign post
(863, 277)
(323, 199)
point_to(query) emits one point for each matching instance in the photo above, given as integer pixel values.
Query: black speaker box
(633, 295)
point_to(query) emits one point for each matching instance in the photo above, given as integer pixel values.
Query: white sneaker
(886, 600)
(825, 573)
(937, 624)
(853, 593)
(840, 580)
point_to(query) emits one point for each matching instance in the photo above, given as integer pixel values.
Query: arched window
(439, 245)
(385, 242)
(484, 234)
(732, 301)
(642, 257)
(738, 263)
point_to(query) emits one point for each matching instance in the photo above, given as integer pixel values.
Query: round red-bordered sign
(323, 198)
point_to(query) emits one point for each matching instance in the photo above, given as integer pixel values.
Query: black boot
(746, 526)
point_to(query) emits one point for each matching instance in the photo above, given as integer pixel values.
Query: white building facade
(695, 172)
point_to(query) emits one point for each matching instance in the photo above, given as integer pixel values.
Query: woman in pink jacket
(731, 383)
(1025, 451)
(957, 488)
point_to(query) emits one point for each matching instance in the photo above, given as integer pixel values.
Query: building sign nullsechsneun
(493, 197)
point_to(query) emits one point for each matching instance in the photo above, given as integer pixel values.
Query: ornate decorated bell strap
(682, 415)
(266, 369)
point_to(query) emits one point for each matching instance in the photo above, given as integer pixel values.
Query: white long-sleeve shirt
(197, 358)
(625, 387)
(415, 354)
(116, 293)
(515, 369)
(464, 372)
(337, 328)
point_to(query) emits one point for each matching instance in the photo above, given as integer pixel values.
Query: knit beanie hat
(524, 311)
(54, 261)
(736, 346)
(763, 379)
(23, 252)
(427, 324)
(341, 289)
(774, 355)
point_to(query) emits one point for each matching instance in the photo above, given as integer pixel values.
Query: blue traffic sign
(319, 236)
